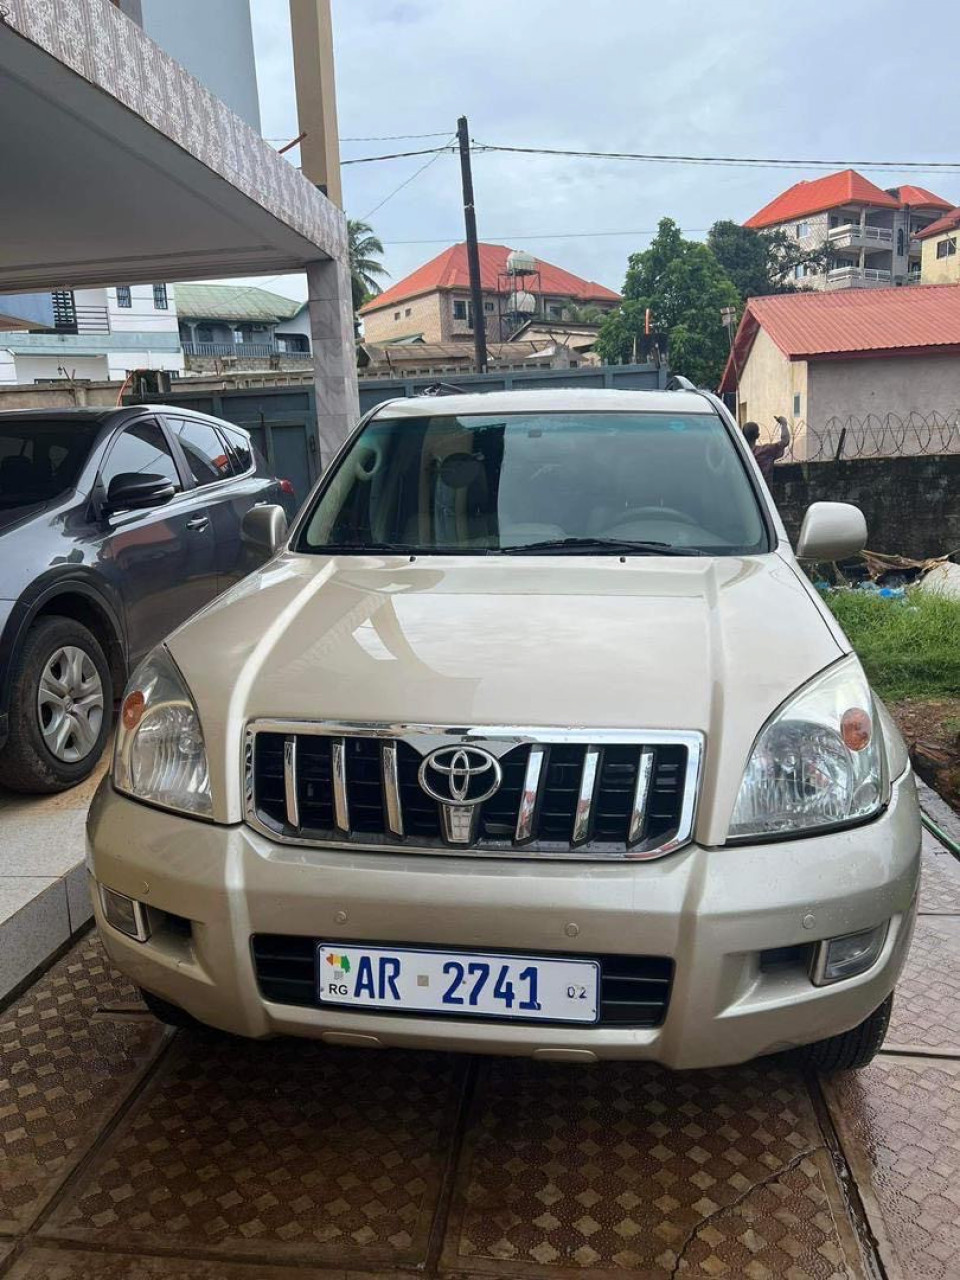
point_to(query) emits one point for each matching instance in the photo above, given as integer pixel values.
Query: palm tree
(365, 267)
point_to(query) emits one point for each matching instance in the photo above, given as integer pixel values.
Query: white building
(98, 335)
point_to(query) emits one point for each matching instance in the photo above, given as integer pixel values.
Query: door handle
(199, 523)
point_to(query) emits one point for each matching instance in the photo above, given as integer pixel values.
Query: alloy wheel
(70, 704)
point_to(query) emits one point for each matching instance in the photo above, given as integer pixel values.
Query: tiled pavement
(130, 1153)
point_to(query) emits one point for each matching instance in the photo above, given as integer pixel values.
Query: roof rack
(679, 383)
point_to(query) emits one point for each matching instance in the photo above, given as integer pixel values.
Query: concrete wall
(934, 270)
(910, 504)
(213, 39)
(885, 385)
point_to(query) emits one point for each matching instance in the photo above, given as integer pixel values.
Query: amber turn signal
(131, 712)
(856, 728)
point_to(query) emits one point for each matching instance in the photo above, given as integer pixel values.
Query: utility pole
(473, 251)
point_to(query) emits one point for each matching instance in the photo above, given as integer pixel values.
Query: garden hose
(947, 841)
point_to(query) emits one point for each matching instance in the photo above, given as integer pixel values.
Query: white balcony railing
(853, 233)
(858, 277)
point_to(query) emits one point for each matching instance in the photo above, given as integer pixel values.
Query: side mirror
(832, 531)
(134, 490)
(264, 529)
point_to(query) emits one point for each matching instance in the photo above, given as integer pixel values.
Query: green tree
(684, 287)
(763, 262)
(582, 313)
(365, 267)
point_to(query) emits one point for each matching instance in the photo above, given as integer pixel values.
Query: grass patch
(909, 648)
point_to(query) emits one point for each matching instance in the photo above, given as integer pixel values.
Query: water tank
(520, 263)
(521, 303)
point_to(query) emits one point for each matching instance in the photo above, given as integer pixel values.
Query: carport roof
(120, 166)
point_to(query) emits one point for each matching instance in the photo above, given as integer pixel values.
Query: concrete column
(312, 32)
(330, 302)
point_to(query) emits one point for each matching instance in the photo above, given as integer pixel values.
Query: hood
(708, 644)
(10, 517)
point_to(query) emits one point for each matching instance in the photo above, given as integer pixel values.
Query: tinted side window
(240, 444)
(207, 456)
(141, 448)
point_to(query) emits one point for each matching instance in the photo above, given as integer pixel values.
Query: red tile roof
(449, 270)
(850, 323)
(803, 198)
(948, 222)
(919, 198)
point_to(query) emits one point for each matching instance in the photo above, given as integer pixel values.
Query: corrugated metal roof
(803, 198)
(232, 302)
(850, 322)
(949, 222)
(449, 270)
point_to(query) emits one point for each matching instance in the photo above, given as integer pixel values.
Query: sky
(861, 80)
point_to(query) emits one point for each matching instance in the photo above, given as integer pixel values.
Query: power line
(753, 162)
(768, 163)
(399, 155)
(519, 237)
(406, 182)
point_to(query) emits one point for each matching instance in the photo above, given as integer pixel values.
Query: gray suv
(115, 526)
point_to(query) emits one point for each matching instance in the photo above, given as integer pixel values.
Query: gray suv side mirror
(264, 529)
(134, 490)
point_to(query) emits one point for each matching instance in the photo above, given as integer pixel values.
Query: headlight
(818, 761)
(160, 756)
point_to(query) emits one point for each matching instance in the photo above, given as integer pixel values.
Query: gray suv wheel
(61, 708)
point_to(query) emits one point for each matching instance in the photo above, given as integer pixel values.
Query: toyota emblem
(460, 775)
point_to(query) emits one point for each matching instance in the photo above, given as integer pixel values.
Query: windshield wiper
(584, 546)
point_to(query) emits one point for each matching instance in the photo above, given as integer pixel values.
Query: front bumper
(713, 911)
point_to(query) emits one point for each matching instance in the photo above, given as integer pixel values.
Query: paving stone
(940, 885)
(63, 1074)
(899, 1125)
(926, 1006)
(282, 1149)
(617, 1167)
(785, 1227)
(70, 1264)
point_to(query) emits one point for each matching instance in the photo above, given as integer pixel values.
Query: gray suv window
(142, 448)
(206, 453)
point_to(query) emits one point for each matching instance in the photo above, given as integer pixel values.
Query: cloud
(749, 77)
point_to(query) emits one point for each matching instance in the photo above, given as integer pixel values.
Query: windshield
(477, 484)
(40, 459)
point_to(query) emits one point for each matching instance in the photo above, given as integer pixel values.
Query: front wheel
(851, 1049)
(61, 708)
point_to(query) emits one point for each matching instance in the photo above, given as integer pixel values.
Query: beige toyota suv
(532, 738)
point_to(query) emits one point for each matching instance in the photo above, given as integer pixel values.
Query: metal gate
(281, 418)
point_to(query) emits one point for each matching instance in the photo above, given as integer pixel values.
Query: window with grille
(123, 296)
(160, 302)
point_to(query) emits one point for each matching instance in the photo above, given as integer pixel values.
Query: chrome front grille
(561, 793)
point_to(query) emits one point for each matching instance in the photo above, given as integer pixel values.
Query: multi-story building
(940, 250)
(433, 303)
(242, 327)
(872, 234)
(96, 335)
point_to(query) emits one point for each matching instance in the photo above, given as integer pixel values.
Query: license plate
(478, 984)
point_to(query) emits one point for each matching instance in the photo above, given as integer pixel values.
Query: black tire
(852, 1049)
(166, 1012)
(26, 762)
